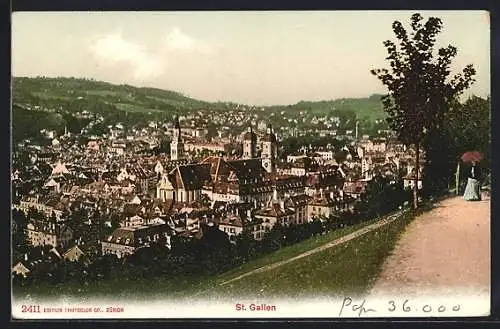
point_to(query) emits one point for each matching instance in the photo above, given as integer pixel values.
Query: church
(248, 179)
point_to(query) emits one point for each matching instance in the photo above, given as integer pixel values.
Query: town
(114, 193)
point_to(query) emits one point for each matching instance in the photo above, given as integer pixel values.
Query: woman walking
(473, 188)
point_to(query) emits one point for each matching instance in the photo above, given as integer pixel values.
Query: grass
(293, 250)
(47, 96)
(349, 267)
(134, 108)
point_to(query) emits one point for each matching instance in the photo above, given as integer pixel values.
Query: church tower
(176, 146)
(269, 150)
(249, 144)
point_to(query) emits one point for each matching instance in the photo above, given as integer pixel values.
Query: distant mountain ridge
(49, 91)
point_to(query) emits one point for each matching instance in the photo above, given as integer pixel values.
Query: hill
(52, 92)
(369, 108)
(99, 96)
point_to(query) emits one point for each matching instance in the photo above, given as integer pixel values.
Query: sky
(255, 58)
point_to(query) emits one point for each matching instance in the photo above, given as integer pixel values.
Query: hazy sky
(246, 57)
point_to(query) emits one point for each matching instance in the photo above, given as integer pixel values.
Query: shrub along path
(443, 251)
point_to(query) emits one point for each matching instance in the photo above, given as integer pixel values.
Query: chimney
(26, 257)
(249, 213)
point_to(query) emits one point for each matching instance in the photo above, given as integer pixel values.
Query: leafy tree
(420, 91)
(469, 127)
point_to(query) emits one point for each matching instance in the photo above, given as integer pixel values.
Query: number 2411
(30, 308)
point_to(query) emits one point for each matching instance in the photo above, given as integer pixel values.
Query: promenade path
(444, 252)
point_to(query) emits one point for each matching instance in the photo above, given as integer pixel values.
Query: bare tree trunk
(457, 178)
(417, 168)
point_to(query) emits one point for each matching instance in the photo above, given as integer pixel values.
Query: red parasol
(471, 156)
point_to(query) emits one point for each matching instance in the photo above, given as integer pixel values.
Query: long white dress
(473, 188)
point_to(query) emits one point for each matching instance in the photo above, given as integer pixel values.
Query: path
(331, 244)
(444, 251)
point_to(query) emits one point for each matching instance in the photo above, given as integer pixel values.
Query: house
(355, 188)
(409, 182)
(47, 232)
(127, 240)
(20, 269)
(275, 213)
(232, 225)
(320, 206)
(73, 254)
(298, 204)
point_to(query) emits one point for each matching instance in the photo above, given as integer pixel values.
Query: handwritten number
(393, 306)
(456, 308)
(441, 309)
(406, 308)
(427, 308)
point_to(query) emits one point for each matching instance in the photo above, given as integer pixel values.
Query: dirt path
(331, 244)
(444, 251)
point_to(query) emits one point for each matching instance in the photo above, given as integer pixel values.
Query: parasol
(471, 156)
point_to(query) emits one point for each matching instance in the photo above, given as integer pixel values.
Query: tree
(420, 91)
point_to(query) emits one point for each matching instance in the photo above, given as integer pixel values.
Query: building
(232, 225)
(73, 254)
(184, 183)
(199, 147)
(249, 144)
(127, 240)
(320, 206)
(20, 269)
(269, 150)
(176, 146)
(298, 204)
(49, 205)
(47, 233)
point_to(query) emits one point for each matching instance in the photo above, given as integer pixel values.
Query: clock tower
(249, 144)
(269, 150)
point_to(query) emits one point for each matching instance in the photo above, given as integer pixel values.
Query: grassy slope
(292, 251)
(350, 268)
(346, 267)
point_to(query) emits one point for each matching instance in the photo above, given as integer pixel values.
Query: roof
(269, 137)
(250, 135)
(322, 201)
(73, 253)
(356, 187)
(248, 168)
(190, 177)
(298, 200)
(274, 210)
(232, 220)
(218, 167)
(135, 236)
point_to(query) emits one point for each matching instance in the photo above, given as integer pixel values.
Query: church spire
(176, 146)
